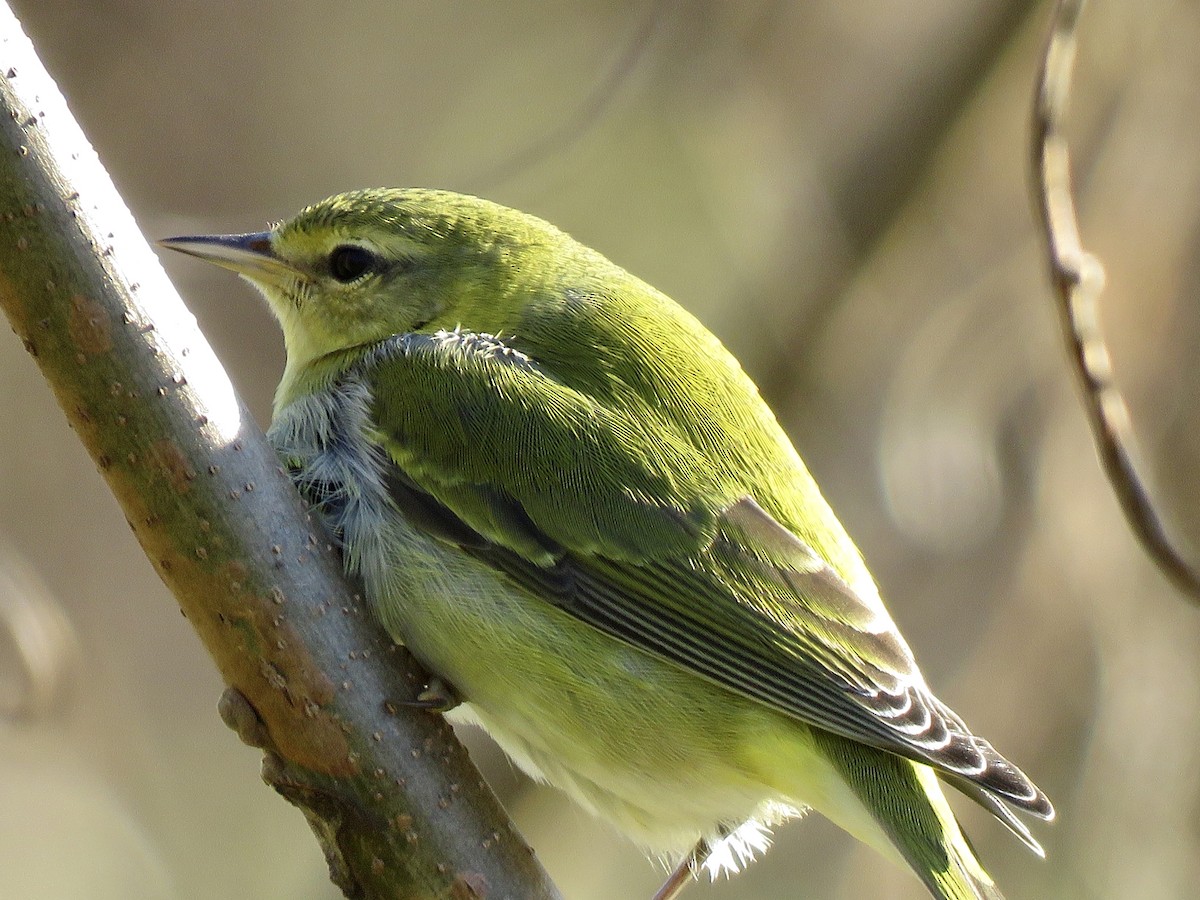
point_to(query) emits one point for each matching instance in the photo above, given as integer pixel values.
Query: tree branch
(1078, 279)
(398, 807)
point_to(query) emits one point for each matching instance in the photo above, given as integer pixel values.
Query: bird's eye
(349, 262)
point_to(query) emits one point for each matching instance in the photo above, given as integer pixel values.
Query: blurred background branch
(1078, 278)
(389, 792)
(588, 111)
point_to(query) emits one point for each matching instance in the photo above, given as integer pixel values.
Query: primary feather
(568, 499)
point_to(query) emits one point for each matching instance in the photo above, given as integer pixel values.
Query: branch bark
(394, 800)
(1078, 278)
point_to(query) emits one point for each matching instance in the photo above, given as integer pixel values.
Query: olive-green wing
(508, 447)
(612, 518)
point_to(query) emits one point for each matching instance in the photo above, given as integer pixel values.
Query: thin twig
(1079, 279)
(589, 111)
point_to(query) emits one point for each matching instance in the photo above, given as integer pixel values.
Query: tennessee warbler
(567, 499)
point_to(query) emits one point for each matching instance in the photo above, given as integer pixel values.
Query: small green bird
(567, 499)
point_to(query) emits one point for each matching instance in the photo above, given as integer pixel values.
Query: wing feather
(610, 517)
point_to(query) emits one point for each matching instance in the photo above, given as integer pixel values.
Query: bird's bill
(247, 254)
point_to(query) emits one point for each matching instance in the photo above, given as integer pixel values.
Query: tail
(906, 801)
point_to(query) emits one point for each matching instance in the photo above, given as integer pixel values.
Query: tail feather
(962, 878)
(906, 801)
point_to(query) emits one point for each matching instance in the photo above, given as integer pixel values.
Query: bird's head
(361, 266)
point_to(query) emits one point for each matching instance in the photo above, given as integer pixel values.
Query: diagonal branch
(1078, 279)
(392, 796)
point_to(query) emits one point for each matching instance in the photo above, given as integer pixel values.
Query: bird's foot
(684, 873)
(439, 697)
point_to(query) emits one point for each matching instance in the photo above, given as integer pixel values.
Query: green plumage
(568, 499)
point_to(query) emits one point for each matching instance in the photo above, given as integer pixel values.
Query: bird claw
(438, 696)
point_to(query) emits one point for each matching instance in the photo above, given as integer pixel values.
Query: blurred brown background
(840, 191)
